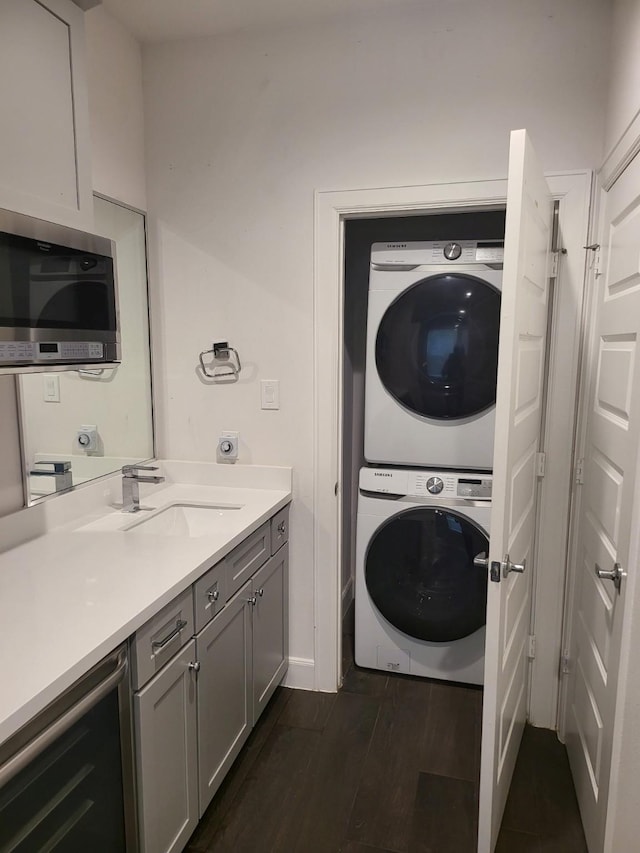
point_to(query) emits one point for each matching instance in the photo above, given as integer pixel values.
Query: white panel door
(519, 407)
(606, 510)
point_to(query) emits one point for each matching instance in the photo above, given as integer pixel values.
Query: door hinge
(580, 472)
(565, 663)
(541, 461)
(596, 263)
(531, 647)
(554, 264)
(595, 248)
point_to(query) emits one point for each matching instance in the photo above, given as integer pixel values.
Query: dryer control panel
(442, 252)
(426, 483)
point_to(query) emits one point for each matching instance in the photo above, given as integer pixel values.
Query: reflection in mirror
(79, 425)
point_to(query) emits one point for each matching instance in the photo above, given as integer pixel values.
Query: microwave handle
(58, 727)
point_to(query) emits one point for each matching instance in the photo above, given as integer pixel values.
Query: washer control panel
(427, 484)
(440, 252)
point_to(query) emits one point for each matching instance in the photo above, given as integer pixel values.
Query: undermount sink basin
(185, 519)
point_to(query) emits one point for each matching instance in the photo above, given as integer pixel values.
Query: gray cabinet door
(166, 755)
(270, 628)
(224, 698)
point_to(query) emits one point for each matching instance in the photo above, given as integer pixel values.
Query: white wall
(114, 66)
(242, 129)
(623, 100)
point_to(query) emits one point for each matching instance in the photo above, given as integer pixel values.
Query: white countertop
(70, 596)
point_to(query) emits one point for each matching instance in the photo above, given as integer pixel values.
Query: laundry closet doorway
(331, 211)
(360, 234)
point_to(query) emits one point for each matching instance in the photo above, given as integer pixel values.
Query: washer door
(420, 575)
(437, 346)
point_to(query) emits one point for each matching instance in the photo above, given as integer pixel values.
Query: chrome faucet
(130, 487)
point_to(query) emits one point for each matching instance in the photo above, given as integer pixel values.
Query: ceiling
(162, 20)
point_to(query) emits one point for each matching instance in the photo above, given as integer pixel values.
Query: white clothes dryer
(433, 323)
(420, 602)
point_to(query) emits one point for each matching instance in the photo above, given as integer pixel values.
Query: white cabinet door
(519, 403)
(44, 146)
(224, 691)
(167, 758)
(270, 628)
(608, 512)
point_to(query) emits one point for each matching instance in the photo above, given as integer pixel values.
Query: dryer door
(420, 575)
(437, 346)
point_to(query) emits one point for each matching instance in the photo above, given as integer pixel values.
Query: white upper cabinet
(45, 168)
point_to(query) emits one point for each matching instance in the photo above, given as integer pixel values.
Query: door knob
(615, 575)
(508, 566)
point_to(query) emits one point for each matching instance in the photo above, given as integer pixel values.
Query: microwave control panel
(44, 351)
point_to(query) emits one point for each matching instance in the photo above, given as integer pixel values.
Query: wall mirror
(79, 425)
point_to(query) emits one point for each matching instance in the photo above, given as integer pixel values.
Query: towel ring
(226, 361)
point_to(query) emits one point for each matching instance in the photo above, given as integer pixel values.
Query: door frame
(331, 209)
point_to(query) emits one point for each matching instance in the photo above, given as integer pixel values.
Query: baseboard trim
(301, 674)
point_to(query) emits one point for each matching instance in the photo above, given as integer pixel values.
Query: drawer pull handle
(282, 527)
(252, 601)
(260, 592)
(213, 594)
(195, 667)
(160, 644)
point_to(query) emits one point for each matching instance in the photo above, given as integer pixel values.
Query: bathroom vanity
(196, 588)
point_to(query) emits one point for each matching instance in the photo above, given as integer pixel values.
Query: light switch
(270, 393)
(51, 388)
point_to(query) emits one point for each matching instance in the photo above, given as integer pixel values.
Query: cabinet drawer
(247, 558)
(210, 594)
(161, 637)
(279, 529)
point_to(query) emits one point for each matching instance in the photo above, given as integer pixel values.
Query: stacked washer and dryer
(424, 501)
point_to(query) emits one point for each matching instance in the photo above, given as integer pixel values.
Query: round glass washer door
(437, 346)
(420, 575)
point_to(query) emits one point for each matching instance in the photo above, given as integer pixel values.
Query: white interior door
(606, 513)
(519, 407)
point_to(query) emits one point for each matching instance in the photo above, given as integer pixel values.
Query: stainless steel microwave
(58, 297)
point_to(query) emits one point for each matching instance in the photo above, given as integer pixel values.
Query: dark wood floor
(390, 764)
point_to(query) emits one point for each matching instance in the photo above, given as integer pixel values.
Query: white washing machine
(420, 600)
(433, 325)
